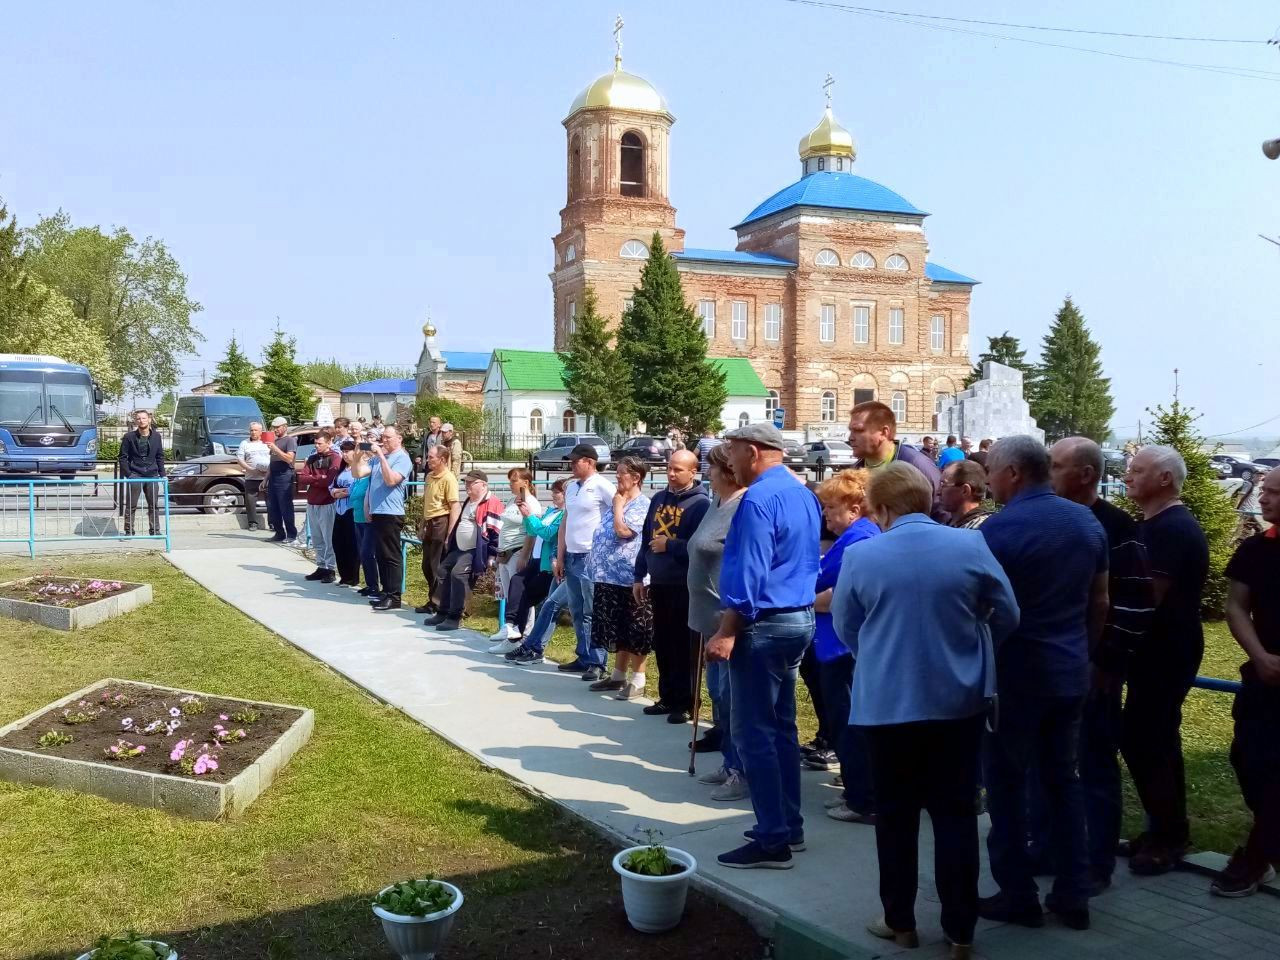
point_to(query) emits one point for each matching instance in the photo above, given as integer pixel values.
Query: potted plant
(655, 883)
(131, 946)
(417, 916)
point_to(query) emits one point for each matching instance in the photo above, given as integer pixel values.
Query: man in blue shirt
(1055, 554)
(767, 589)
(949, 454)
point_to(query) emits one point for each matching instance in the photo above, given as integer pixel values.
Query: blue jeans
(581, 592)
(368, 556)
(719, 687)
(548, 612)
(280, 504)
(1044, 730)
(763, 667)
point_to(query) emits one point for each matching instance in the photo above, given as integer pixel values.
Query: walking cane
(697, 706)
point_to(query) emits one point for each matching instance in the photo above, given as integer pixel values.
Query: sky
(350, 171)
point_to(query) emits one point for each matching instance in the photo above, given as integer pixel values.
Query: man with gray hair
(1055, 555)
(1162, 673)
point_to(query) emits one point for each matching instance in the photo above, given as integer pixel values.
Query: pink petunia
(142, 748)
(179, 749)
(223, 716)
(175, 712)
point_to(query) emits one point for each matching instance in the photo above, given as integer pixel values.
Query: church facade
(829, 293)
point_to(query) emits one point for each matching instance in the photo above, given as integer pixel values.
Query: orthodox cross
(827, 84)
(617, 43)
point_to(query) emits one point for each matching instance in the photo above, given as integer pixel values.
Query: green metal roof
(542, 370)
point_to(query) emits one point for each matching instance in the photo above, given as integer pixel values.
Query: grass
(373, 798)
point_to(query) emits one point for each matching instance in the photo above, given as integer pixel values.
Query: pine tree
(596, 376)
(283, 392)
(662, 343)
(235, 372)
(1004, 349)
(1071, 396)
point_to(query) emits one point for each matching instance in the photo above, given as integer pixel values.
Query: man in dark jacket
(141, 455)
(674, 514)
(872, 428)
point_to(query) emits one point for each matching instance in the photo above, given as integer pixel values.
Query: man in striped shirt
(1077, 467)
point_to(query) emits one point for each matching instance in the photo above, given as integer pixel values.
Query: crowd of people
(956, 653)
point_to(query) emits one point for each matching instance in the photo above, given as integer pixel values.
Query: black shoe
(709, 743)
(525, 657)
(275, 539)
(1001, 909)
(573, 666)
(348, 583)
(657, 709)
(815, 745)
(329, 577)
(436, 620)
(822, 760)
(316, 574)
(448, 624)
(754, 856)
(427, 608)
(387, 603)
(796, 843)
(364, 592)
(1075, 916)
(593, 674)
(678, 716)
(374, 598)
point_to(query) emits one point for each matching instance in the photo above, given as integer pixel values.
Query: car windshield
(838, 445)
(592, 439)
(228, 423)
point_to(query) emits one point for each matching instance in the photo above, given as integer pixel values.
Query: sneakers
(657, 709)
(573, 666)
(507, 631)
(836, 801)
(847, 814)
(592, 674)
(717, 777)
(903, 938)
(503, 647)
(796, 843)
(1004, 910)
(678, 716)
(734, 788)
(1241, 878)
(316, 574)
(813, 746)
(436, 620)
(630, 691)
(328, 577)
(449, 625)
(607, 683)
(752, 856)
(822, 760)
(525, 657)
(387, 603)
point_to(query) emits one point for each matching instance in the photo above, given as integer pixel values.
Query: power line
(1254, 426)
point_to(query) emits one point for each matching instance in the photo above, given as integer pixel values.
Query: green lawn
(374, 797)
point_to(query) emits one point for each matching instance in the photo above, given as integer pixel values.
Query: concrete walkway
(606, 761)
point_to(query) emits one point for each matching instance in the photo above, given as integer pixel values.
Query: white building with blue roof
(829, 293)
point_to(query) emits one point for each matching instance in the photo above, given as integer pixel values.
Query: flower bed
(70, 603)
(63, 591)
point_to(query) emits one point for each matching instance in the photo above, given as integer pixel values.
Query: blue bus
(48, 415)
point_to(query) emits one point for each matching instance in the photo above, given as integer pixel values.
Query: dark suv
(215, 484)
(655, 451)
(1238, 466)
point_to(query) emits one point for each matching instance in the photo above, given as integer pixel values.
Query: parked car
(655, 451)
(211, 425)
(828, 453)
(554, 454)
(1239, 467)
(1113, 462)
(793, 455)
(1269, 462)
(215, 483)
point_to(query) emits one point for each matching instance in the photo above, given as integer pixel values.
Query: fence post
(168, 537)
(31, 519)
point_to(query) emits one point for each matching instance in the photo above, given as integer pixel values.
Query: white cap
(447, 426)
(279, 422)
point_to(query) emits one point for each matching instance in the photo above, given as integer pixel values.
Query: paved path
(606, 761)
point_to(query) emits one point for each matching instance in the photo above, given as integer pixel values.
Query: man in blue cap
(767, 589)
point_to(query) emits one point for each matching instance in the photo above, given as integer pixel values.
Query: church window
(633, 250)
(937, 332)
(896, 262)
(575, 169)
(862, 324)
(573, 316)
(771, 404)
(898, 404)
(738, 320)
(744, 418)
(569, 422)
(829, 406)
(822, 163)
(535, 420)
(627, 304)
(863, 261)
(773, 322)
(632, 165)
(827, 323)
(707, 311)
(895, 324)
(939, 401)
(839, 163)
(570, 253)
(827, 258)
(806, 166)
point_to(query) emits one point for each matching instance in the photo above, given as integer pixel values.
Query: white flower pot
(157, 945)
(655, 904)
(418, 938)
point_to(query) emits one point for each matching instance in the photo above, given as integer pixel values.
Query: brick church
(828, 294)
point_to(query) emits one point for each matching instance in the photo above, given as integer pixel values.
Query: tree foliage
(336, 375)
(132, 292)
(235, 371)
(661, 340)
(464, 419)
(283, 392)
(1071, 397)
(1008, 350)
(595, 374)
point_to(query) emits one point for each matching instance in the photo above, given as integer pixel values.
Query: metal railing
(47, 511)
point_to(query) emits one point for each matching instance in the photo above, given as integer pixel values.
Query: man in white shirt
(254, 457)
(588, 502)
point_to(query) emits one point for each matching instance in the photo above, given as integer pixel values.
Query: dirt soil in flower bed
(93, 738)
(63, 591)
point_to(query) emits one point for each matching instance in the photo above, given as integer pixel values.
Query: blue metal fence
(47, 510)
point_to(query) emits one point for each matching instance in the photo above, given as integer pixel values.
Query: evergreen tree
(1071, 396)
(235, 372)
(596, 376)
(283, 392)
(661, 340)
(1004, 349)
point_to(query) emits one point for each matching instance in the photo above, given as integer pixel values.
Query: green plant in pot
(655, 884)
(131, 946)
(417, 916)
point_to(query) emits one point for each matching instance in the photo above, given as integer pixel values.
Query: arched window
(898, 404)
(575, 168)
(632, 165)
(839, 163)
(633, 250)
(535, 420)
(570, 253)
(573, 316)
(863, 261)
(897, 262)
(829, 406)
(940, 400)
(743, 419)
(569, 422)
(827, 258)
(771, 403)
(822, 163)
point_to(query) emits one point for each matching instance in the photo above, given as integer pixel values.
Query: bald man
(674, 514)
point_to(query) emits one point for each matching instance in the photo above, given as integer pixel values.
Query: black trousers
(386, 539)
(1151, 738)
(528, 589)
(674, 644)
(346, 551)
(455, 582)
(1255, 755)
(147, 490)
(930, 766)
(810, 673)
(434, 534)
(251, 488)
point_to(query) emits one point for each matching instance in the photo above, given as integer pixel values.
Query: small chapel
(829, 293)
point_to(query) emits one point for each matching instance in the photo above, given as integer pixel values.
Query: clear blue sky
(348, 170)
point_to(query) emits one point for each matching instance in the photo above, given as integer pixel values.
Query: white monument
(990, 407)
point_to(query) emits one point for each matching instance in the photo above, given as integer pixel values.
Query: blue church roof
(733, 256)
(385, 385)
(466, 359)
(940, 274)
(839, 191)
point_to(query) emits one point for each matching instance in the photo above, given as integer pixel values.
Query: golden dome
(828, 139)
(620, 90)
(428, 329)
